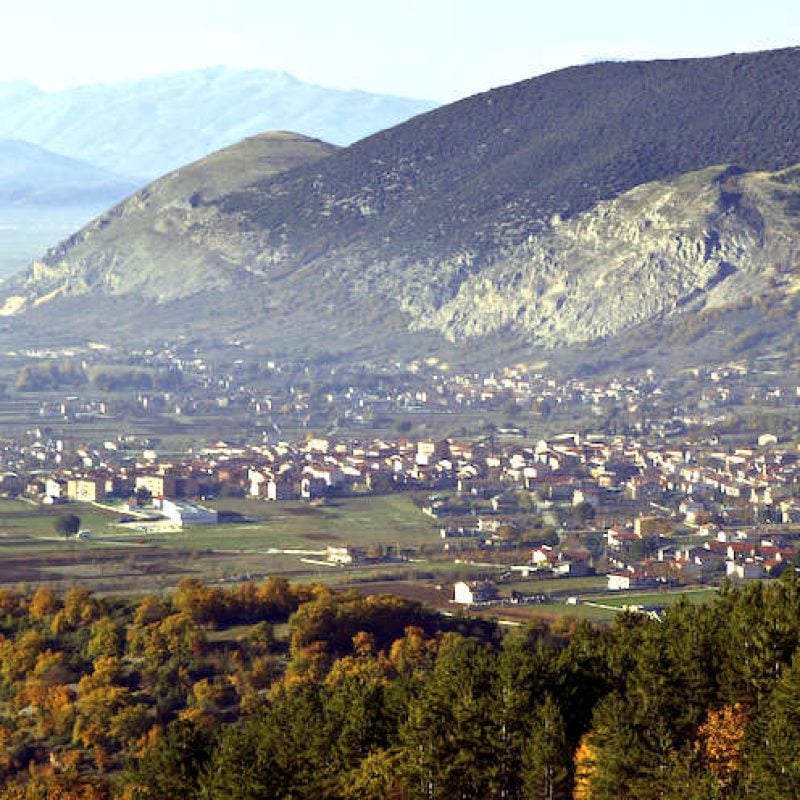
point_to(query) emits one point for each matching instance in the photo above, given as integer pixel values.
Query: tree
(773, 752)
(548, 757)
(67, 524)
(43, 603)
(105, 639)
(584, 766)
(143, 495)
(285, 752)
(523, 671)
(448, 739)
(171, 766)
(375, 778)
(720, 743)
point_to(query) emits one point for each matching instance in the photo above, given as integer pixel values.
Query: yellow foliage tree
(150, 609)
(585, 758)
(413, 651)
(43, 604)
(80, 607)
(720, 740)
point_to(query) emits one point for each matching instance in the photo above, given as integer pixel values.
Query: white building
(470, 594)
(345, 555)
(185, 515)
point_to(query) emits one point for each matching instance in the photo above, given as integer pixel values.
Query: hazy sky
(437, 49)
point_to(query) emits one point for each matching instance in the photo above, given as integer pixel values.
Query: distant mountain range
(67, 156)
(604, 209)
(143, 129)
(31, 175)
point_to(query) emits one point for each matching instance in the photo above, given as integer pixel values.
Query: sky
(440, 50)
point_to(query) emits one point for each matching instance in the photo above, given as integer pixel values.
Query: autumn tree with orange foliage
(720, 740)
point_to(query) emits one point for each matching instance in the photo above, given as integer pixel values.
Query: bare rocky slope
(165, 241)
(579, 207)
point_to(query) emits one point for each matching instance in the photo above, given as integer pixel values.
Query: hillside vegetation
(489, 170)
(274, 691)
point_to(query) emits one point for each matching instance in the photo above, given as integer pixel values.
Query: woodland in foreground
(275, 690)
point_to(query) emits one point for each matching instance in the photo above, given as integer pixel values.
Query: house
(573, 564)
(55, 490)
(620, 538)
(258, 482)
(344, 556)
(426, 453)
(790, 511)
(544, 556)
(586, 495)
(625, 580)
(474, 593)
(312, 488)
(280, 488)
(86, 490)
(159, 485)
(35, 487)
(10, 483)
(746, 570)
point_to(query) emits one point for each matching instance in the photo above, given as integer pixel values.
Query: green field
(253, 544)
(603, 608)
(20, 520)
(263, 540)
(665, 598)
(591, 583)
(390, 520)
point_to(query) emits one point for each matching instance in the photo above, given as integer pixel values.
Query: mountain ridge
(145, 128)
(563, 211)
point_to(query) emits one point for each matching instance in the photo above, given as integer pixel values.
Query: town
(639, 483)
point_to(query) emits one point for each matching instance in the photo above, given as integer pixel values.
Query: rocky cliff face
(708, 239)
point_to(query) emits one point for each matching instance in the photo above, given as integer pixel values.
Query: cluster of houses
(185, 381)
(653, 487)
(664, 511)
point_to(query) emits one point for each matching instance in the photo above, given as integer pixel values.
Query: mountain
(31, 175)
(618, 203)
(170, 247)
(143, 129)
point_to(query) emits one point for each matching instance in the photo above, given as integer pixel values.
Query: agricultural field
(260, 539)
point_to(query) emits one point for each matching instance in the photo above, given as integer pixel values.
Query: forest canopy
(275, 690)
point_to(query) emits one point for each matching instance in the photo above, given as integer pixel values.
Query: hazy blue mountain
(26, 231)
(146, 128)
(31, 175)
(45, 196)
